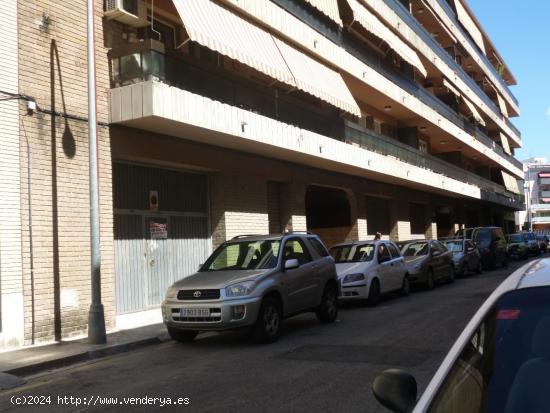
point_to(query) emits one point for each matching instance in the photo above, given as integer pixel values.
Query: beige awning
(219, 29)
(451, 88)
(328, 8)
(511, 183)
(505, 143)
(502, 105)
(469, 25)
(317, 79)
(474, 111)
(223, 31)
(372, 24)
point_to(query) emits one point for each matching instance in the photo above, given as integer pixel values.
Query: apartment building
(224, 117)
(536, 216)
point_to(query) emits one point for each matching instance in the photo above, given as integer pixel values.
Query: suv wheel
(374, 293)
(182, 336)
(268, 323)
(328, 309)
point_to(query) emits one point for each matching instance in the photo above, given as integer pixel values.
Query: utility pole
(96, 317)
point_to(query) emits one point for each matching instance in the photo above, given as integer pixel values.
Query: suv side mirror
(291, 264)
(396, 390)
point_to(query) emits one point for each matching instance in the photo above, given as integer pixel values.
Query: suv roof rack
(301, 232)
(247, 235)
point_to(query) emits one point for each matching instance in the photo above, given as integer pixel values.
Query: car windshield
(352, 253)
(245, 255)
(455, 246)
(505, 366)
(516, 238)
(415, 249)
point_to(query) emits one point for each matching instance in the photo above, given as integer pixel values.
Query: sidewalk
(32, 360)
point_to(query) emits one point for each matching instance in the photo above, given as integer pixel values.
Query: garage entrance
(328, 214)
(161, 232)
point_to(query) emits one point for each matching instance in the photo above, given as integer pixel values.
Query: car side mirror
(396, 390)
(291, 264)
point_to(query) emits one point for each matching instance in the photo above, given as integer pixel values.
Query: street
(311, 368)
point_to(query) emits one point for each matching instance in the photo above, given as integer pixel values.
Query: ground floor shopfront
(167, 202)
(175, 200)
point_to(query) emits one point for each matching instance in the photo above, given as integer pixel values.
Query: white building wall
(11, 281)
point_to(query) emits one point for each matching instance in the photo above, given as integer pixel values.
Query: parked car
(466, 256)
(498, 364)
(368, 269)
(543, 243)
(254, 281)
(428, 261)
(517, 247)
(532, 243)
(491, 243)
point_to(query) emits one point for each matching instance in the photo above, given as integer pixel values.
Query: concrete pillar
(400, 220)
(239, 206)
(293, 206)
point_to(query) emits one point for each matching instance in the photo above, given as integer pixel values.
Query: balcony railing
(150, 64)
(450, 12)
(387, 146)
(403, 81)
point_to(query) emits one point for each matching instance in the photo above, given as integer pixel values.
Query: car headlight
(172, 292)
(239, 289)
(351, 278)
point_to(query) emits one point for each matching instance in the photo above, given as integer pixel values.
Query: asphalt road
(312, 368)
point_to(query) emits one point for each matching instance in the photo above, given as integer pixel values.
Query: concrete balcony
(155, 106)
(540, 207)
(435, 52)
(540, 220)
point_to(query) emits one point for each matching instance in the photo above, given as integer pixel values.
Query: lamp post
(96, 317)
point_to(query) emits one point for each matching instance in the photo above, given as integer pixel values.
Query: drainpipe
(96, 317)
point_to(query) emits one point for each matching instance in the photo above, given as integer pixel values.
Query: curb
(84, 356)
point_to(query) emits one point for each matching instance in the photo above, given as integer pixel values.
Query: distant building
(536, 216)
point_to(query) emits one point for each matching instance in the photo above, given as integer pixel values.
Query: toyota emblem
(197, 294)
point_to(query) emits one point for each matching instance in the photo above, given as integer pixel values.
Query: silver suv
(256, 281)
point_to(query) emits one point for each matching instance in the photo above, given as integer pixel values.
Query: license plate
(194, 312)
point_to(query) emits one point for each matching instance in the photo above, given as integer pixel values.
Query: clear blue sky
(520, 30)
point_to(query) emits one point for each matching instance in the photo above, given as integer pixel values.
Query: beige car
(254, 281)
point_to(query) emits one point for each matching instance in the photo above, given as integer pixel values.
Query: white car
(500, 362)
(368, 269)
